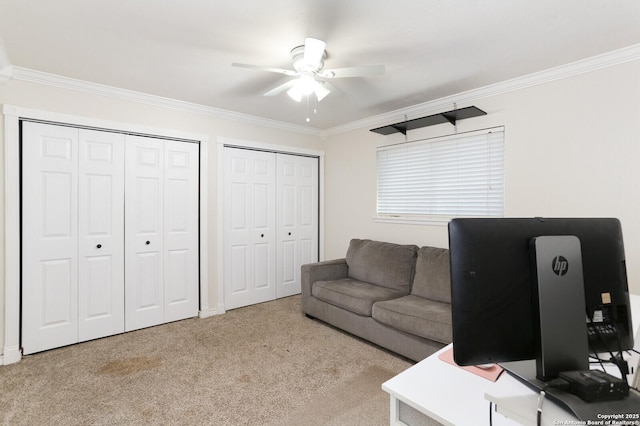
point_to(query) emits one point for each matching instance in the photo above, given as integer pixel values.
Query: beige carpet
(263, 364)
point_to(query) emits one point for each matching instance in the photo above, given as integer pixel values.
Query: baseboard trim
(11, 355)
(208, 312)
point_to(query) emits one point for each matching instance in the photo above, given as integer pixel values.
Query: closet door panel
(101, 234)
(308, 232)
(308, 251)
(308, 218)
(288, 253)
(249, 227)
(144, 216)
(297, 219)
(147, 292)
(181, 242)
(49, 236)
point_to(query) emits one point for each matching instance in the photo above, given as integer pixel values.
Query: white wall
(58, 100)
(572, 149)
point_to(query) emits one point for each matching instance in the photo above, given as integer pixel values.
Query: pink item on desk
(491, 373)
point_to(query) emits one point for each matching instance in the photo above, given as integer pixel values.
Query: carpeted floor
(263, 364)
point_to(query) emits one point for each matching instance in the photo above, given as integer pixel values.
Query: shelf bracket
(400, 129)
(451, 118)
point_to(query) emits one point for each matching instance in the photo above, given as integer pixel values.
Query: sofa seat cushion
(352, 295)
(416, 315)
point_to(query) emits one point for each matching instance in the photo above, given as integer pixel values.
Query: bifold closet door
(249, 227)
(270, 224)
(72, 199)
(297, 219)
(161, 231)
(49, 236)
(144, 215)
(101, 234)
(181, 230)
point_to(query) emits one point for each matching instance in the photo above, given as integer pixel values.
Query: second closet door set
(109, 233)
(270, 224)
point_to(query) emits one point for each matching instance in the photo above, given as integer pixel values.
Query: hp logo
(560, 266)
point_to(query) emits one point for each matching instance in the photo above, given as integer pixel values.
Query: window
(451, 176)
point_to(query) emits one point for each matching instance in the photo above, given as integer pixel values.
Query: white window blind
(457, 175)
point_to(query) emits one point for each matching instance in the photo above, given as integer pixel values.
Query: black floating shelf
(430, 120)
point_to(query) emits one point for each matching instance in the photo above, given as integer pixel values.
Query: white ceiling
(183, 49)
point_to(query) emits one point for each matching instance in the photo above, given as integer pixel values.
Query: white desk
(440, 391)
(452, 396)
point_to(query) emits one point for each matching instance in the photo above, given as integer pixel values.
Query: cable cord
(539, 414)
(598, 359)
(614, 359)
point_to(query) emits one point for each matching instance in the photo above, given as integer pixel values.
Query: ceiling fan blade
(313, 51)
(331, 87)
(268, 69)
(281, 88)
(359, 71)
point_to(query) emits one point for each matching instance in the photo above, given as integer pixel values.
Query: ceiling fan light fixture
(308, 67)
(295, 93)
(307, 83)
(321, 91)
(305, 86)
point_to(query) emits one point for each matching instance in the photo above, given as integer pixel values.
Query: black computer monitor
(494, 313)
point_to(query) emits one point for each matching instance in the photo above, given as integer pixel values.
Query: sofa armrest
(322, 271)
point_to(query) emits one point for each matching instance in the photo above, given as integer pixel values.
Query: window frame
(497, 164)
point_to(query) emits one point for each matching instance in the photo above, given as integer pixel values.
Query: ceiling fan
(308, 64)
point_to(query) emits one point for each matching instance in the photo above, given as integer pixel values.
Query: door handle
(99, 246)
(148, 242)
(261, 235)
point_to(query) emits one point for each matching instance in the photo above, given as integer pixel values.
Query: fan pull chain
(315, 106)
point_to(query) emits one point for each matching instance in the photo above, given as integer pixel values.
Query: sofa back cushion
(384, 264)
(433, 276)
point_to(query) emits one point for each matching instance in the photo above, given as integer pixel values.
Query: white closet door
(249, 227)
(49, 236)
(181, 230)
(101, 234)
(144, 218)
(297, 219)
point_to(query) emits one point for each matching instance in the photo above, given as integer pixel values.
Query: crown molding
(628, 54)
(38, 77)
(615, 57)
(6, 70)
(4, 57)
(6, 74)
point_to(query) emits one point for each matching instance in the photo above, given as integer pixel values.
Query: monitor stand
(560, 326)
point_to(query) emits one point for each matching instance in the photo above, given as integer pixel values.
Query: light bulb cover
(321, 91)
(305, 86)
(295, 93)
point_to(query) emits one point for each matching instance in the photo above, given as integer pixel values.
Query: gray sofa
(396, 296)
